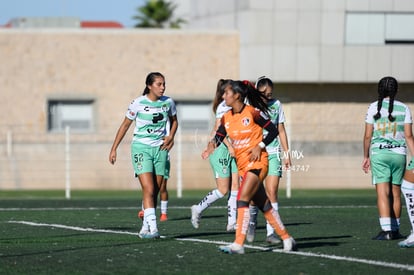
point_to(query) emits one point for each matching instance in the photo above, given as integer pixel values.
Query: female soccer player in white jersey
(277, 116)
(163, 188)
(224, 168)
(388, 126)
(151, 111)
(407, 188)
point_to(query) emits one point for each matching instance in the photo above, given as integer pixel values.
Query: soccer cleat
(144, 234)
(272, 239)
(251, 232)
(396, 235)
(231, 227)
(195, 216)
(409, 242)
(163, 217)
(141, 214)
(232, 248)
(383, 235)
(289, 244)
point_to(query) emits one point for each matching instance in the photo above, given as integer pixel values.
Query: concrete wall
(304, 40)
(108, 66)
(325, 145)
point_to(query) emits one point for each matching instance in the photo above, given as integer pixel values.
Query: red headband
(247, 82)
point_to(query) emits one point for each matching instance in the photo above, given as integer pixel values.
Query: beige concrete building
(51, 78)
(325, 57)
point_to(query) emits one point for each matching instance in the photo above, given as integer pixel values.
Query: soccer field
(96, 233)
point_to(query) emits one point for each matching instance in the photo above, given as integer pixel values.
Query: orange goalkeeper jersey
(245, 134)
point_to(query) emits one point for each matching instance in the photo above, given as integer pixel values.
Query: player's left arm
(284, 143)
(172, 116)
(263, 121)
(169, 140)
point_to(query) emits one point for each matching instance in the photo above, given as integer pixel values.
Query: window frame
(55, 121)
(182, 119)
(379, 30)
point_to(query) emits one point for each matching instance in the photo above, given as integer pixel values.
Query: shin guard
(243, 217)
(273, 218)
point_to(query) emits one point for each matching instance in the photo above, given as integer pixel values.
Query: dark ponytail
(379, 105)
(249, 92)
(151, 79)
(391, 108)
(387, 87)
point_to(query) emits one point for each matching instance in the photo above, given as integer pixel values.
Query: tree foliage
(157, 14)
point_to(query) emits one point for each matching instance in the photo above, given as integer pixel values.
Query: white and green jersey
(276, 116)
(388, 137)
(222, 108)
(150, 119)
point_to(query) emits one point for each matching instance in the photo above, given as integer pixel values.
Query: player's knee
(241, 204)
(266, 206)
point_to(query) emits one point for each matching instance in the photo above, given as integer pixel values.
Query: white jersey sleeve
(281, 113)
(133, 109)
(173, 108)
(222, 108)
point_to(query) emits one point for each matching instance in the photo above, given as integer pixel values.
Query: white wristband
(262, 145)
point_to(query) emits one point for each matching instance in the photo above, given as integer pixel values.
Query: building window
(194, 116)
(77, 114)
(399, 28)
(363, 28)
(379, 28)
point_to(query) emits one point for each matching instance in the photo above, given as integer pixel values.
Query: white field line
(306, 254)
(173, 207)
(66, 208)
(309, 254)
(76, 228)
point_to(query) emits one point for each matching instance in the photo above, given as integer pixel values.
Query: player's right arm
(218, 138)
(118, 138)
(369, 128)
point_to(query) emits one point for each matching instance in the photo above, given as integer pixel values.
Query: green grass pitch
(96, 233)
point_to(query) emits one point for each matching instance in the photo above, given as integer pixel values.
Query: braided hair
(249, 92)
(387, 87)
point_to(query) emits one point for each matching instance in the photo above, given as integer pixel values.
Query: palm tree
(157, 14)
